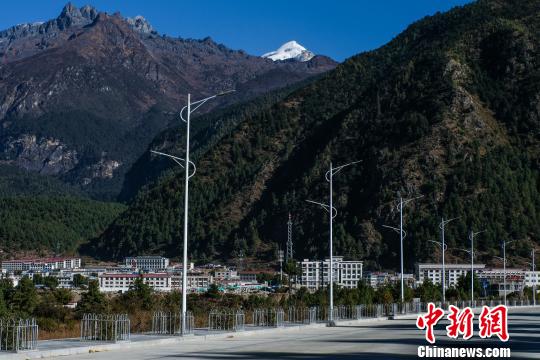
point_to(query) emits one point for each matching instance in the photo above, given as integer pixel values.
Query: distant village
(163, 275)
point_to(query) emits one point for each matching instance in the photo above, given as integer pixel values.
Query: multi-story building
(315, 273)
(377, 279)
(225, 274)
(41, 264)
(453, 272)
(116, 282)
(196, 282)
(532, 278)
(493, 278)
(149, 263)
(121, 282)
(248, 276)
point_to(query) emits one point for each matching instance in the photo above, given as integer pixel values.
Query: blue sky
(339, 28)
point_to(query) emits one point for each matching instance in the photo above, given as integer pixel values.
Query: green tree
(3, 304)
(79, 280)
(63, 296)
(139, 296)
(384, 294)
(366, 293)
(213, 292)
(37, 279)
(92, 301)
(51, 282)
(25, 297)
(464, 286)
(428, 292)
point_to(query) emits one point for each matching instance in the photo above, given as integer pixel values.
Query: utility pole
(290, 253)
(186, 164)
(402, 234)
(332, 212)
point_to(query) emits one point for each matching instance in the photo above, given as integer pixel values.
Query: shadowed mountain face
(82, 95)
(449, 109)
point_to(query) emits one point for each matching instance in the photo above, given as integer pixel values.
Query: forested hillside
(449, 109)
(51, 224)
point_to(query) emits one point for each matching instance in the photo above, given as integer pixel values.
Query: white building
(196, 282)
(378, 279)
(115, 282)
(515, 279)
(315, 273)
(119, 282)
(532, 278)
(226, 274)
(41, 264)
(151, 263)
(453, 272)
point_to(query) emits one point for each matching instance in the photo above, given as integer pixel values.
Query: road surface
(392, 339)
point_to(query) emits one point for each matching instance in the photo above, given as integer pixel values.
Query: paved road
(396, 339)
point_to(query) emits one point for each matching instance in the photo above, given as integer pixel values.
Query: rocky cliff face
(45, 156)
(98, 83)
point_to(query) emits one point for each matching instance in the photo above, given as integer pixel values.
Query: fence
(302, 315)
(105, 327)
(170, 323)
(269, 317)
(226, 320)
(17, 335)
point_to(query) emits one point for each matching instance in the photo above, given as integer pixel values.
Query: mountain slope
(449, 109)
(81, 96)
(48, 224)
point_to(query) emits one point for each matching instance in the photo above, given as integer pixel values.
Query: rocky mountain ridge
(96, 84)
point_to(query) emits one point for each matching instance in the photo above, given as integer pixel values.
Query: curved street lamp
(332, 213)
(402, 233)
(186, 165)
(503, 259)
(443, 249)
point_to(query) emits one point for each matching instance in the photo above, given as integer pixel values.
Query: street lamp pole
(504, 266)
(504, 243)
(332, 213)
(443, 249)
(402, 235)
(442, 225)
(187, 163)
(472, 234)
(534, 275)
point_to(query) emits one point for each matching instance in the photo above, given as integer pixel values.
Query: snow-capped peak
(290, 50)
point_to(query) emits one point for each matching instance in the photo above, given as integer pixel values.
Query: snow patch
(290, 50)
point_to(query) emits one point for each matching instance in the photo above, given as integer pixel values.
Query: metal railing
(170, 323)
(269, 317)
(226, 320)
(105, 327)
(18, 334)
(301, 315)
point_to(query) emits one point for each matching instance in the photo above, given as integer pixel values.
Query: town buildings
(41, 264)
(315, 273)
(147, 263)
(453, 272)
